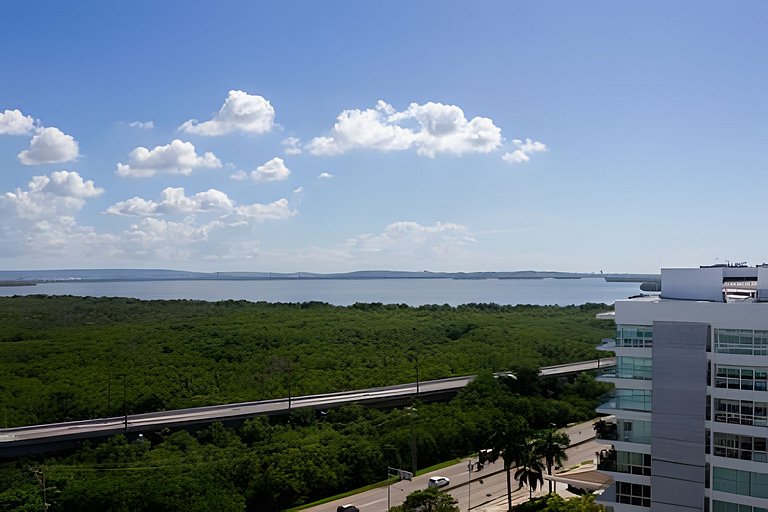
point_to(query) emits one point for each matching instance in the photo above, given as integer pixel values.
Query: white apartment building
(691, 398)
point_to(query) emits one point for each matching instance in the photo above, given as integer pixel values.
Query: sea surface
(344, 292)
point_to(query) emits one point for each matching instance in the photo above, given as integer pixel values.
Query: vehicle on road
(347, 508)
(438, 481)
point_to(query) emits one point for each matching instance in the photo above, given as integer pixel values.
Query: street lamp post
(413, 446)
(125, 400)
(469, 484)
(417, 376)
(289, 388)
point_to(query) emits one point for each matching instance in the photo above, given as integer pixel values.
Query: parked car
(347, 508)
(439, 481)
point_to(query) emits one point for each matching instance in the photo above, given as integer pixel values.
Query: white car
(439, 481)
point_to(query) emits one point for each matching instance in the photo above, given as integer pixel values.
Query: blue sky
(340, 136)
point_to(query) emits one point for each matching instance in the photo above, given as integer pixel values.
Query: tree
(556, 503)
(551, 445)
(427, 500)
(530, 470)
(510, 442)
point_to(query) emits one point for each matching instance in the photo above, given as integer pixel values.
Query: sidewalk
(522, 495)
(579, 434)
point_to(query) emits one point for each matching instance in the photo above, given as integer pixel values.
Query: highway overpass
(40, 438)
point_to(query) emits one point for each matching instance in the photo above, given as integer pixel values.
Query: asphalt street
(480, 490)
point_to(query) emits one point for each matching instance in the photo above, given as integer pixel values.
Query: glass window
(741, 341)
(633, 399)
(745, 483)
(635, 336)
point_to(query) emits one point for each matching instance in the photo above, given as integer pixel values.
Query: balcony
(741, 419)
(607, 431)
(608, 344)
(606, 460)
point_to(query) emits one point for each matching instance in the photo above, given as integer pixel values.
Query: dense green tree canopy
(65, 358)
(68, 357)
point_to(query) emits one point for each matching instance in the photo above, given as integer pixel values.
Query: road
(488, 487)
(22, 440)
(391, 395)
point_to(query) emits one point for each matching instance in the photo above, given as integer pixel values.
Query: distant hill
(164, 275)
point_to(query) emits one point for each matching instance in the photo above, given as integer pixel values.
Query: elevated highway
(40, 438)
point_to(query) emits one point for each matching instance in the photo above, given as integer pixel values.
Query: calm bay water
(414, 292)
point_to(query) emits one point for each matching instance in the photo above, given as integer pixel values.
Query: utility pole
(109, 390)
(125, 400)
(417, 376)
(289, 387)
(412, 413)
(40, 476)
(469, 484)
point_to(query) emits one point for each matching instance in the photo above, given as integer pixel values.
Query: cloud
(66, 184)
(241, 112)
(203, 224)
(187, 240)
(276, 210)
(142, 125)
(523, 151)
(292, 146)
(175, 158)
(13, 122)
(298, 190)
(430, 129)
(49, 197)
(325, 175)
(174, 201)
(49, 146)
(165, 240)
(274, 170)
(409, 237)
(40, 241)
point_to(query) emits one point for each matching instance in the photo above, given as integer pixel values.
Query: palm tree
(530, 470)
(510, 442)
(551, 446)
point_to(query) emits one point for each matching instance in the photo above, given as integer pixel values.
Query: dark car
(347, 508)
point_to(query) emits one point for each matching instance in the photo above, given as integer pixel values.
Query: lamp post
(417, 376)
(288, 370)
(413, 358)
(469, 484)
(125, 400)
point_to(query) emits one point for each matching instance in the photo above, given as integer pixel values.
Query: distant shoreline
(32, 277)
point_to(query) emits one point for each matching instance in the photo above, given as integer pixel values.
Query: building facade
(691, 397)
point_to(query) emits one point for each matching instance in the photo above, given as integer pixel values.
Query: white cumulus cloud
(49, 197)
(173, 200)
(292, 146)
(13, 122)
(274, 170)
(430, 129)
(241, 112)
(325, 175)
(49, 146)
(276, 210)
(66, 184)
(175, 158)
(523, 151)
